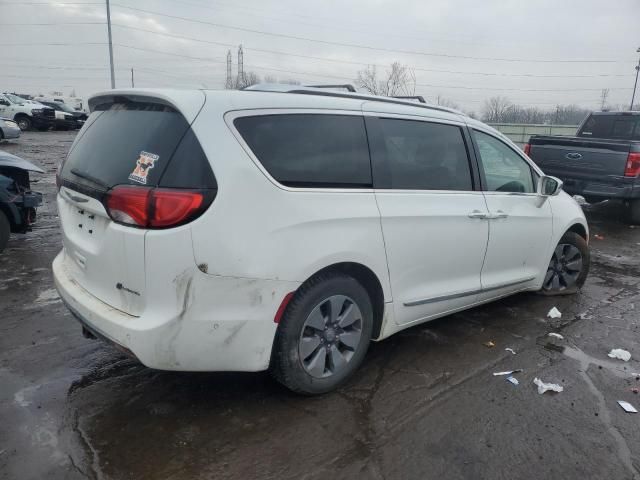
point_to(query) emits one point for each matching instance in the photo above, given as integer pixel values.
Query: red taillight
(153, 207)
(527, 149)
(172, 207)
(129, 205)
(632, 169)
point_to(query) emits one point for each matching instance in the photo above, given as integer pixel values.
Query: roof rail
(309, 90)
(419, 98)
(347, 86)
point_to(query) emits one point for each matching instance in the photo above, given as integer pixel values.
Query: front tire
(5, 230)
(568, 267)
(324, 334)
(24, 123)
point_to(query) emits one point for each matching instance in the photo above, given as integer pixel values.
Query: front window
(14, 98)
(504, 169)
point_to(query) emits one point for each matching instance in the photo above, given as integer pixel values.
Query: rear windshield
(625, 127)
(310, 150)
(132, 143)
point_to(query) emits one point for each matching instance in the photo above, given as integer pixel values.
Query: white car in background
(8, 129)
(26, 113)
(286, 227)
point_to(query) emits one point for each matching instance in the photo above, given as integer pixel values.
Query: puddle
(585, 360)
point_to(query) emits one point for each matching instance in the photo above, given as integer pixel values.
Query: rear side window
(625, 127)
(134, 143)
(310, 150)
(417, 155)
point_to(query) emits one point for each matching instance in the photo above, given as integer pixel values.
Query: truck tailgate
(580, 159)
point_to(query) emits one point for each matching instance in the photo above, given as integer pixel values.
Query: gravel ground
(424, 405)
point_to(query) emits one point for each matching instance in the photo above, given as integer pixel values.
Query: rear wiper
(91, 178)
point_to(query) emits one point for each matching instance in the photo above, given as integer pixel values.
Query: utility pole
(603, 99)
(133, 84)
(241, 82)
(113, 75)
(229, 81)
(635, 86)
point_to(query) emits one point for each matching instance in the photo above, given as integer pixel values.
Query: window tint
(504, 169)
(310, 150)
(612, 126)
(133, 143)
(417, 155)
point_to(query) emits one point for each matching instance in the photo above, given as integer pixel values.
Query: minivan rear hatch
(130, 139)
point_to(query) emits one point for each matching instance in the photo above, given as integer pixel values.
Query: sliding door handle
(478, 214)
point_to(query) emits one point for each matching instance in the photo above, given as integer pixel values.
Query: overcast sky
(536, 52)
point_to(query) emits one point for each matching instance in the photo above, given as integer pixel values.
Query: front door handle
(478, 214)
(498, 214)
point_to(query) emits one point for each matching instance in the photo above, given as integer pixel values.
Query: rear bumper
(223, 323)
(622, 188)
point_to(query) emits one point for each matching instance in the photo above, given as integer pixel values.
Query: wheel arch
(371, 283)
(579, 229)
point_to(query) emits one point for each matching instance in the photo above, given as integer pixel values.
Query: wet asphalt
(424, 405)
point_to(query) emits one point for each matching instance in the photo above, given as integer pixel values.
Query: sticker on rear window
(144, 163)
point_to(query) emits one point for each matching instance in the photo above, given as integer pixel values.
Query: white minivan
(285, 227)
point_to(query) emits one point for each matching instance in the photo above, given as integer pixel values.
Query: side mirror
(549, 186)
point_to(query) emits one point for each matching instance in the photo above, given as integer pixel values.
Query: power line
(49, 24)
(49, 3)
(354, 45)
(338, 77)
(52, 44)
(520, 89)
(350, 62)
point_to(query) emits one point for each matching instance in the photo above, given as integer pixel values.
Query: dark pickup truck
(601, 162)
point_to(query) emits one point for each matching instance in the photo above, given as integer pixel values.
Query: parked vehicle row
(40, 114)
(285, 227)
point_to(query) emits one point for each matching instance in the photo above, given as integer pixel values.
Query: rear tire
(633, 213)
(324, 334)
(5, 230)
(568, 267)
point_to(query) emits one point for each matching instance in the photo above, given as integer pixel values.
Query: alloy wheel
(330, 336)
(564, 268)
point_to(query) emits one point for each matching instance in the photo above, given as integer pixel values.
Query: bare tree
(495, 109)
(399, 80)
(290, 81)
(246, 80)
(446, 102)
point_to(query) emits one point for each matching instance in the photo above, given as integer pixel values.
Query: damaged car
(284, 228)
(18, 203)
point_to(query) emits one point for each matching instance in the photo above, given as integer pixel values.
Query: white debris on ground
(620, 354)
(555, 335)
(627, 406)
(509, 349)
(513, 380)
(554, 313)
(545, 387)
(510, 372)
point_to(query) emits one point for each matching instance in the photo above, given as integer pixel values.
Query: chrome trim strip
(442, 298)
